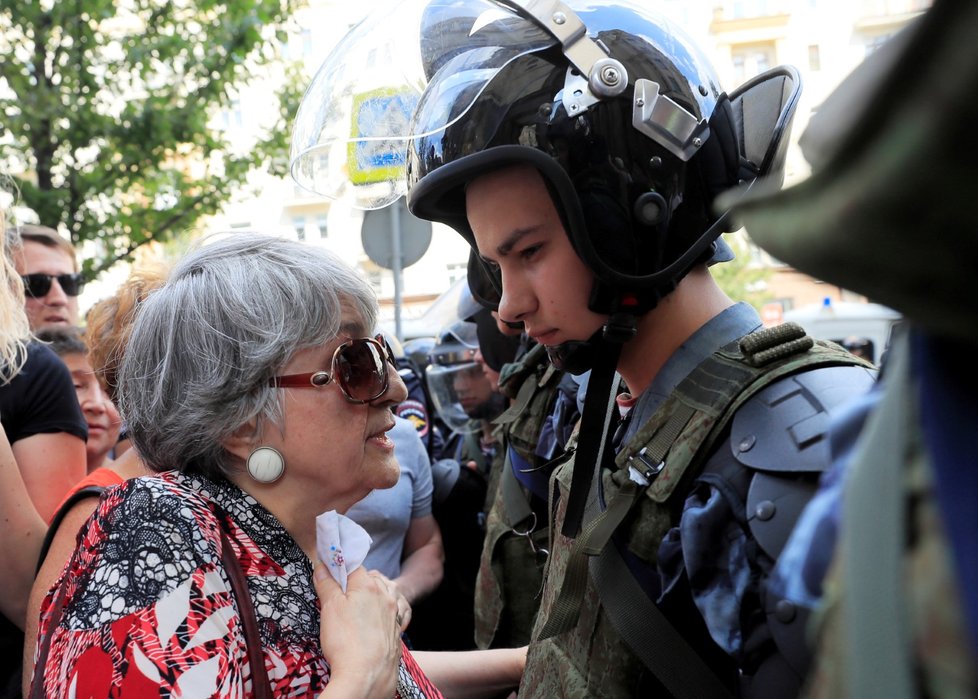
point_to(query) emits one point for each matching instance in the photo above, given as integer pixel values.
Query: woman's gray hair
(204, 346)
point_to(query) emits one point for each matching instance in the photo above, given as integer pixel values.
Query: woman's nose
(396, 390)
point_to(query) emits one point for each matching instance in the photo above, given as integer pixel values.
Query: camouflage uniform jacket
(708, 583)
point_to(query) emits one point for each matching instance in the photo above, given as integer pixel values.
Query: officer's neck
(661, 331)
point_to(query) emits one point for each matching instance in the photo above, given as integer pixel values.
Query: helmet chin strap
(600, 353)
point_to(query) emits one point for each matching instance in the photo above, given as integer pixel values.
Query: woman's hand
(403, 616)
(359, 633)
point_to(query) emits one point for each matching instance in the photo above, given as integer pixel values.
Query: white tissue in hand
(342, 544)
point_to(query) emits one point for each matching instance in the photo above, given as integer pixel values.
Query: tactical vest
(598, 632)
(507, 593)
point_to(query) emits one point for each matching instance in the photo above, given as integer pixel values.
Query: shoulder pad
(784, 428)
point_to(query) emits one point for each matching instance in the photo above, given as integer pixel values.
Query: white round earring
(265, 465)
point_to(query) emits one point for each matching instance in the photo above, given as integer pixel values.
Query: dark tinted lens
(71, 284)
(361, 370)
(36, 285)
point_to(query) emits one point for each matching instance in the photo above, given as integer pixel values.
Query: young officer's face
(517, 228)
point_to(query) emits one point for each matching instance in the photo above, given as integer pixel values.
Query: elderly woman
(250, 384)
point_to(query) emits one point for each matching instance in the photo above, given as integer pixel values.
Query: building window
(237, 116)
(743, 9)
(321, 225)
(233, 117)
(814, 58)
(738, 68)
(299, 224)
(750, 60)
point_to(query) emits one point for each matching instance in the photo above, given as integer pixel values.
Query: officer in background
(412, 360)
(466, 402)
(579, 149)
(464, 398)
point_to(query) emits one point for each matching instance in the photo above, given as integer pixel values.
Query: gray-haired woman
(250, 383)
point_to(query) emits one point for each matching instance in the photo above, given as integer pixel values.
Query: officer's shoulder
(784, 427)
(779, 442)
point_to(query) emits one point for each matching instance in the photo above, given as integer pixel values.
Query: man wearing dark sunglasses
(49, 267)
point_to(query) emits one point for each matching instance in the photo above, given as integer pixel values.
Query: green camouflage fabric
(889, 212)
(507, 588)
(532, 385)
(507, 591)
(940, 642)
(591, 659)
(889, 208)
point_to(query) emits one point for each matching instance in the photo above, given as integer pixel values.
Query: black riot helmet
(627, 124)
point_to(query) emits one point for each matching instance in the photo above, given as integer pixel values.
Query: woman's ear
(243, 440)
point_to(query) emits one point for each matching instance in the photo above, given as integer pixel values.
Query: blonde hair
(15, 332)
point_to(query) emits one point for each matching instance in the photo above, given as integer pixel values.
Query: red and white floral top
(149, 609)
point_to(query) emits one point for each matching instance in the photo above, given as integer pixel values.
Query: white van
(863, 328)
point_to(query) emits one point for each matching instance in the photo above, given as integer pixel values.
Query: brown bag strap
(259, 678)
(261, 687)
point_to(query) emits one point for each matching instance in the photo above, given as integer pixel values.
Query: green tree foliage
(743, 278)
(107, 105)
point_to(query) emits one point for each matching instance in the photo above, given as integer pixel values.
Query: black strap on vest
(663, 650)
(599, 404)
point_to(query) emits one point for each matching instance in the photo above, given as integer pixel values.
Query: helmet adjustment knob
(608, 78)
(650, 208)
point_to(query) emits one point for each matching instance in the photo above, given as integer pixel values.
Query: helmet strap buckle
(620, 328)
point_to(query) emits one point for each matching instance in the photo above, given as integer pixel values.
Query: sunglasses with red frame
(359, 368)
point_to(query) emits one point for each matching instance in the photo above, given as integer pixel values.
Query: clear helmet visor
(460, 393)
(354, 123)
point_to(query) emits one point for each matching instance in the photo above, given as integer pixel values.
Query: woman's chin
(386, 475)
(393, 477)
